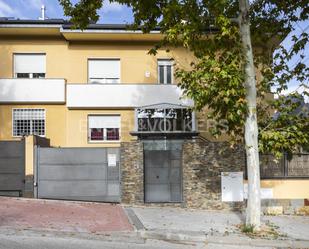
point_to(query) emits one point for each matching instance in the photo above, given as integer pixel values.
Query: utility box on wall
(232, 186)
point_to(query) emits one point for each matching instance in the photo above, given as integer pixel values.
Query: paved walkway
(109, 221)
(215, 223)
(64, 216)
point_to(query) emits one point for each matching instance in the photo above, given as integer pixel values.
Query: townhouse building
(100, 119)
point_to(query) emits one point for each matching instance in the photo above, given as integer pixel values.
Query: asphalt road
(13, 241)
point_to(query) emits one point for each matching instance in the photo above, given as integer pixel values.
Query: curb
(134, 220)
(126, 236)
(139, 237)
(222, 240)
(171, 236)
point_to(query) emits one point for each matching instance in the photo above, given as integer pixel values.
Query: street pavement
(52, 242)
(33, 223)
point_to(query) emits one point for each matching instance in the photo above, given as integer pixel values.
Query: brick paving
(68, 216)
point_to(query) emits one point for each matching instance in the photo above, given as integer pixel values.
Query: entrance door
(162, 174)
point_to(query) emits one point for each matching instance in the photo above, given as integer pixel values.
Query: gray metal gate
(12, 167)
(163, 171)
(89, 174)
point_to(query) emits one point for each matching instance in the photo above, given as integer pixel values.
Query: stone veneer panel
(132, 172)
(203, 162)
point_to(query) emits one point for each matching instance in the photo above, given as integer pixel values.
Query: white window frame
(104, 129)
(165, 62)
(30, 73)
(103, 80)
(31, 130)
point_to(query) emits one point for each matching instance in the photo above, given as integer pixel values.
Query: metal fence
(297, 167)
(12, 167)
(88, 174)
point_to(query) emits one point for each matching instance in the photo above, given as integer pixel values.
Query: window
(104, 128)
(165, 71)
(29, 65)
(28, 121)
(104, 71)
(164, 119)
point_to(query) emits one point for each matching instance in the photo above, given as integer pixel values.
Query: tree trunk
(251, 129)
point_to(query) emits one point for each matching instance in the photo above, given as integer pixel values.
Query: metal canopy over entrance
(163, 170)
(165, 119)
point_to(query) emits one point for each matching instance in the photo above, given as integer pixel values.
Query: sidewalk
(62, 216)
(216, 226)
(101, 221)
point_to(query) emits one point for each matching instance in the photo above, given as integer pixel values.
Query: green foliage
(247, 228)
(210, 30)
(267, 231)
(83, 12)
(288, 130)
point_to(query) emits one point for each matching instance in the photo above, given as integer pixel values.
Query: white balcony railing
(32, 91)
(123, 95)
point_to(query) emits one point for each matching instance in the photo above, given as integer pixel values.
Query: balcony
(123, 95)
(32, 91)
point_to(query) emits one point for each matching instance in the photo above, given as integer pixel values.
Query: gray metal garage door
(163, 170)
(89, 174)
(12, 167)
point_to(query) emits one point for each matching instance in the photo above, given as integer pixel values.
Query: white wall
(32, 91)
(123, 95)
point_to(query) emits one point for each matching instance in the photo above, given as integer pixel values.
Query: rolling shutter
(104, 69)
(104, 121)
(29, 63)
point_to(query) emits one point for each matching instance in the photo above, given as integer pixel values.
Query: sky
(31, 9)
(294, 85)
(112, 13)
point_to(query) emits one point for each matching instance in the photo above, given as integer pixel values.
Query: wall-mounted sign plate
(112, 160)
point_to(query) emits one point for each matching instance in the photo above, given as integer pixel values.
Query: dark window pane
(23, 75)
(143, 124)
(112, 133)
(39, 75)
(22, 127)
(161, 74)
(174, 120)
(168, 75)
(187, 118)
(96, 133)
(38, 127)
(165, 120)
(157, 120)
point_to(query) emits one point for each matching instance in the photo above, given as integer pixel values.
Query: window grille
(28, 122)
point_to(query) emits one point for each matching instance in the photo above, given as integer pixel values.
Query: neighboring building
(99, 91)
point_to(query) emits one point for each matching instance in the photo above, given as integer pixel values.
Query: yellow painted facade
(288, 189)
(69, 60)
(29, 155)
(68, 128)
(55, 122)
